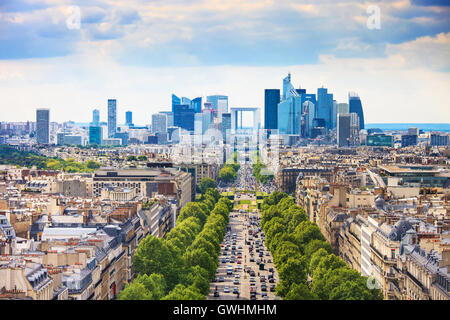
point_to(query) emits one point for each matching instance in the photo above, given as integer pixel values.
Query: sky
(140, 52)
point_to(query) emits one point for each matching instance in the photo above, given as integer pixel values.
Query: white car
(226, 289)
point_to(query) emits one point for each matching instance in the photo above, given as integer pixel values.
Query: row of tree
(181, 265)
(10, 155)
(257, 167)
(229, 170)
(307, 268)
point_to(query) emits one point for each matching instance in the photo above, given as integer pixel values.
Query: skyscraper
(219, 104)
(342, 108)
(129, 118)
(95, 117)
(196, 104)
(343, 130)
(308, 112)
(185, 100)
(355, 106)
(95, 135)
(169, 117)
(183, 117)
(325, 106)
(226, 126)
(112, 117)
(289, 116)
(43, 126)
(271, 101)
(159, 123)
(175, 101)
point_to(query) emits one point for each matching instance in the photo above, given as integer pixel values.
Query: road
(242, 224)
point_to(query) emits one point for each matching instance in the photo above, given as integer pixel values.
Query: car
(226, 289)
(252, 280)
(235, 290)
(224, 260)
(270, 269)
(265, 298)
(216, 293)
(238, 262)
(221, 279)
(239, 256)
(236, 281)
(253, 297)
(252, 273)
(261, 254)
(264, 294)
(263, 288)
(272, 288)
(240, 247)
(272, 280)
(237, 275)
(252, 259)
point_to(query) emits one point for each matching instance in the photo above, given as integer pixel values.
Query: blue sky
(140, 51)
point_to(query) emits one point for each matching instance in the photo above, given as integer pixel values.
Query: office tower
(95, 117)
(43, 126)
(169, 116)
(380, 140)
(196, 104)
(354, 129)
(112, 117)
(201, 122)
(60, 138)
(409, 140)
(343, 130)
(438, 139)
(334, 115)
(95, 135)
(123, 136)
(183, 117)
(175, 101)
(159, 123)
(355, 105)
(308, 112)
(226, 126)
(325, 106)
(129, 118)
(289, 115)
(271, 101)
(342, 108)
(174, 134)
(219, 104)
(185, 100)
(413, 131)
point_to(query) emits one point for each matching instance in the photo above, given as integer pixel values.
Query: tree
(315, 259)
(199, 257)
(307, 231)
(131, 158)
(299, 291)
(142, 158)
(91, 164)
(293, 271)
(197, 277)
(154, 255)
(192, 209)
(314, 245)
(227, 174)
(207, 183)
(134, 291)
(181, 292)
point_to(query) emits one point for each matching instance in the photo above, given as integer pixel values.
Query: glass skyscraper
(219, 104)
(159, 123)
(355, 106)
(226, 126)
(325, 106)
(183, 117)
(95, 135)
(95, 116)
(289, 115)
(175, 101)
(43, 126)
(112, 117)
(129, 118)
(271, 101)
(196, 104)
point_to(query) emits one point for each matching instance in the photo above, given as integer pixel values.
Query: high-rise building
(342, 108)
(413, 131)
(271, 101)
(343, 130)
(308, 115)
(175, 101)
(95, 135)
(183, 117)
(325, 106)
(380, 140)
(196, 104)
(185, 100)
(226, 126)
(439, 139)
(159, 122)
(95, 117)
(409, 140)
(334, 115)
(289, 116)
(354, 129)
(43, 126)
(169, 115)
(355, 105)
(219, 104)
(129, 118)
(112, 117)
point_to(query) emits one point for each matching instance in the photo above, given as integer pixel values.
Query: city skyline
(127, 53)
